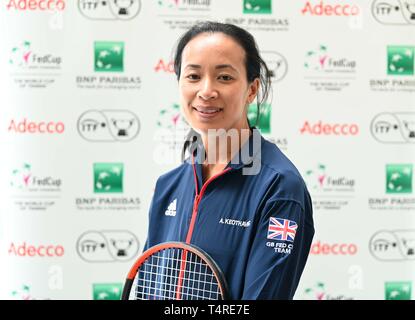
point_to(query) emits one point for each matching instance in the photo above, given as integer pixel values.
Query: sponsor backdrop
(90, 119)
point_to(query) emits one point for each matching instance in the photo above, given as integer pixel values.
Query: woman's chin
(202, 127)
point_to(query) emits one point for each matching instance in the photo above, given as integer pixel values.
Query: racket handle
(127, 288)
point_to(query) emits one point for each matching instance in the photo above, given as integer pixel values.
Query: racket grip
(127, 289)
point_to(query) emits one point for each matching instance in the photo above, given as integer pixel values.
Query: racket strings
(173, 274)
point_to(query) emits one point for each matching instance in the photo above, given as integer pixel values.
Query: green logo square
(398, 290)
(108, 177)
(109, 56)
(257, 6)
(401, 60)
(264, 123)
(107, 291)
(399, 178)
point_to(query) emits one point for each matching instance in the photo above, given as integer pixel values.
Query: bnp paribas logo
(107, 291)
(108, 177)
(258, 6)
(264, 121)
(401, 60)
(398, 290)
(399, 178)
(108, 56)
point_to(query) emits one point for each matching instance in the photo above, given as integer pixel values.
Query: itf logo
(401, 60)
(108, 56)
(398, 290)
(110, 9)
(397, 127)
(393, 245)
(276, 63)
(399, 178)
(107, 246)
(257, 6)
(394, 12)
(108, 125)
(108, 177)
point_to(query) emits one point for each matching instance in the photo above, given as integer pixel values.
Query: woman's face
(214, 91)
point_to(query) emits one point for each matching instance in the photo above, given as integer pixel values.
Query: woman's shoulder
(284, 179)
(275, 161)
(173, 174)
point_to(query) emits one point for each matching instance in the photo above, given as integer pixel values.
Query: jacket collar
(245, 156)
(248, 152)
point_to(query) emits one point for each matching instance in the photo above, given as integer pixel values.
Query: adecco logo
(323, 9)
(33, 5)
(26, 126)
(26, 250)
(164, 66)
(341, 249)
(329, 129)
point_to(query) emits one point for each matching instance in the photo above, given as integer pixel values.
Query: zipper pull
(196, 200)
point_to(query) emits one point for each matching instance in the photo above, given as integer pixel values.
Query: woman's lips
(207, 112)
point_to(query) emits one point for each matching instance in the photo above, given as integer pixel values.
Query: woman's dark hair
(254, 64)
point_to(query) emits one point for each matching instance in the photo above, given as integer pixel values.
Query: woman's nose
(207, 90)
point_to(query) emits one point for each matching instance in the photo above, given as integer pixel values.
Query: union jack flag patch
(282, 229)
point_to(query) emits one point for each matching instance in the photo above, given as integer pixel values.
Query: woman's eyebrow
(193, 66)
(224, 66)
(220, 66)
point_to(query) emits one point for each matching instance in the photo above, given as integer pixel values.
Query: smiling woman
(213, 84)
(220, 58)
(256, 225)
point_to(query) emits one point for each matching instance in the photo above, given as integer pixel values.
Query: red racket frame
(221, 281)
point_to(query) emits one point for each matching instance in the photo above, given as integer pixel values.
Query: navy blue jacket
(258, 228)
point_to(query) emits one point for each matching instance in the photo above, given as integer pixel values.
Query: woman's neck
(221, 146)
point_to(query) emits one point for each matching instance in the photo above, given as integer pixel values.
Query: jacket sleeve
(148, 243)
(279, 250)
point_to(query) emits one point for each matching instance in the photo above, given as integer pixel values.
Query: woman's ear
(253, 90)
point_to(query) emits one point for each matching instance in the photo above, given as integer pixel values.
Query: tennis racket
(175, 271)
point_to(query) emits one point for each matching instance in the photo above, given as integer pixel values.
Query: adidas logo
(171, 210)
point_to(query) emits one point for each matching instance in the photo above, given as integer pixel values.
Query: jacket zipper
(196, 202)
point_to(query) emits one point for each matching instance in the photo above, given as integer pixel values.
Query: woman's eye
(192, 77)
(225, 77)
